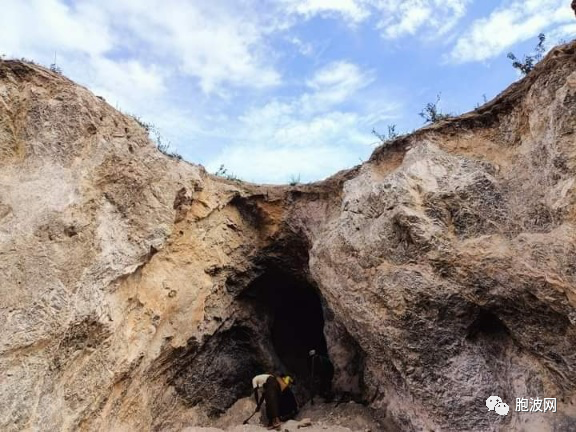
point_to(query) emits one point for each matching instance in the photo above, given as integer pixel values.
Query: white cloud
(563, 32)
(37, 28)
(334, 84)
(304, 48)
(82, 37)
(313, 111)
(408, 17)
(338, 73)
(220, 44)
(407, 20)
(506, 26)
(394, 18)
(270, 164)
(216, 42)
(282, 125)
(352, 10)
(127, 82)
(312, 135)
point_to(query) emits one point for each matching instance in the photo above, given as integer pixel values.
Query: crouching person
(275, 391)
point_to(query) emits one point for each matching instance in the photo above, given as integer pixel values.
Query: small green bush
(431, 113)
(294, 180)
(391, 135)
(147, 126)
(164, 148)
(155, 135)
(529, 61)
(223, 172)
(55, 68)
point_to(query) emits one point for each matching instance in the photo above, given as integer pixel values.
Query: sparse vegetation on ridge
(223, 172)
(54, 66)
(155, 135)
(431, 112)
(529, 61)
(387, 138)
(294, 180)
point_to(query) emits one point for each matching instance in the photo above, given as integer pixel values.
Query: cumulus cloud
(85, 42)
(277, 165)
(332, 85)
(311, 135)
(216, 43)
(394, 18)
(338, 74)
(408, 17)
(282, 125)
(304, 48)
(353, 11)
(127, 83)
(36, 27)
(516, 22)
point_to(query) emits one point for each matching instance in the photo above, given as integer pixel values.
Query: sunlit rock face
(138, 292)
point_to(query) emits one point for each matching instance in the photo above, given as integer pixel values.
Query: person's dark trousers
(288, 405)
(272, 397)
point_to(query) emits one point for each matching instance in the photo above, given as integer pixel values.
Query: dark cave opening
(487, 324)
(278, 318)
(296, 318)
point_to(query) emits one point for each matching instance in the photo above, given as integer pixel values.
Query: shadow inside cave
(296, 319)
(279, 317)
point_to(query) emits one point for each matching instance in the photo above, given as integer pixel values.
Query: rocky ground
(320, 417)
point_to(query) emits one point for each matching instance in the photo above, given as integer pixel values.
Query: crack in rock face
(139, 292)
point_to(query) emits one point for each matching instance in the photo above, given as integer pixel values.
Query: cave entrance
(295, 318)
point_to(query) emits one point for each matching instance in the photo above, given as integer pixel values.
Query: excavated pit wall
(445, 266)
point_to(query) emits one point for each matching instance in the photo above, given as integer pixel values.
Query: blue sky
(286, 88)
